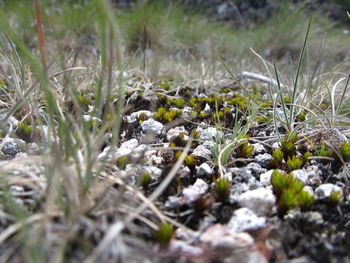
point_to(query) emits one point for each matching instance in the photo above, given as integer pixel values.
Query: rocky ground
(230, 210)
(215, 160)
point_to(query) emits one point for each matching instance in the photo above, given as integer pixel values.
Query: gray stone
(314, 175)
(260, 200)
(193, 192)
(244, 219)
(256, 168)
(259, 148)
(263, 159)
(301, 175)
(265, 178)
(12, 147)
(209, 133)
(152, 126)
(133, 117)
(174, 132)
(202, 151)
(325, 190)
(33, 149)
(154, 171)
(204, 170)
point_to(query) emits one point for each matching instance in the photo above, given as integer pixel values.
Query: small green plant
(334, 199)
(166, 116)
(288, 146)
(277, 160)
(306, 157)
(25, 131)
(222, 189)
(324, 151)
(294, 163)
(245, 149)
(345, 151)
(289, 193)
(122, 162)
(145, 179)
(190, 161)
(164, 233)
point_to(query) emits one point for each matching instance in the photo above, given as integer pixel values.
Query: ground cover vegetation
(154, 133)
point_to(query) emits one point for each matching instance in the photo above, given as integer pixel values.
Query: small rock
(152, 126)
(207, 109)
(244, 219)
(174, 203)
(209, 133)
(260, 200)
(256, 168)
(259, 148)
(201, 186)
(325, 190)
(173, 133)
(265, 178)
(204, 170)
(301, 175)
(154, 171)
(11, 146)
(314, 175)
(202, 151)
(33, 149)
(193, 192)
(132, 119)
(263, 159)
(184, 251)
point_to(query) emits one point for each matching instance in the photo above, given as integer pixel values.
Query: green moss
(145, 179)
(222, 189)
(195, 134)
(164, 233)
(190, 161)
(83, 102)
(306, 157)
(345, 151)
(263, 119)
(180, 103)
(324, 151)
(334, 199)
(166, 116)
(122, 162)
(288, 146)
(239, 101)
(25, 131)
(294, 163)
(245, 149)
(277, 155)
(202, 115)
(289, 193)
(301, 116)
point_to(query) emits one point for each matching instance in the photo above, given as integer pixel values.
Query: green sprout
(277, 155)
(190, 161)
(222, 189)
(345, 151)
(145, 179)
(245, 149)
(25, 131)
(122, 162)
(333, 199)
(288, 145)
(306, 157)
(289, 193)
(325, 152)
(164, 233)
(294, 163)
